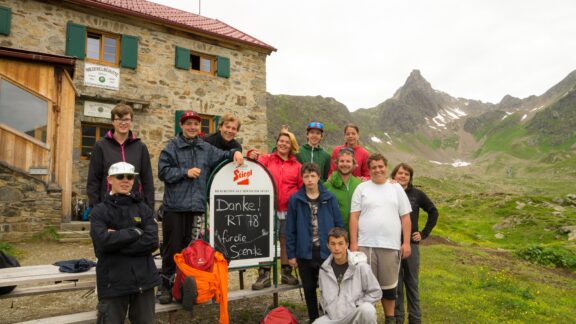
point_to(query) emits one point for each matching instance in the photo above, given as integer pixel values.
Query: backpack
(199, 255)
(279, 315)
(201, 276)
(7, 261)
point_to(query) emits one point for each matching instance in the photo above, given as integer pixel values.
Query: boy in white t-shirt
(379, 218)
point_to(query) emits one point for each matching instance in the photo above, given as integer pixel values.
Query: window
(23, 110)
(91, 133)
(103, 48)
(202, 63)
(207, 126)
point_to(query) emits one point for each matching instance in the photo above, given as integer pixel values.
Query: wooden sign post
(242, 214)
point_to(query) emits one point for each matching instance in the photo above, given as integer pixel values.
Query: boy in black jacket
(124, 233)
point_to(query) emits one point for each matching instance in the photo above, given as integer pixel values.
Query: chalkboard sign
(242, 214)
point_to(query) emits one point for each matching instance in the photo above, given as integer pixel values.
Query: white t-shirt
(380, 208)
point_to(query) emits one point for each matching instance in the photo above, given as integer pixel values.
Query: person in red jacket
(352, 138)
(285, 170)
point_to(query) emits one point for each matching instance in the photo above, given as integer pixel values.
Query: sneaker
(189, 293)
(287, 277)
(165, 296)
(263, 280)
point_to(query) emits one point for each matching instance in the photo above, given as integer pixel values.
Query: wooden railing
(22, 151)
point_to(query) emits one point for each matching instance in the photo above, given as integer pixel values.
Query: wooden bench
(46, 279)
(90, 317)
(51, 280)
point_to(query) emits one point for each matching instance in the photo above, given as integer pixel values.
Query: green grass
(8, 248)
(468, 285)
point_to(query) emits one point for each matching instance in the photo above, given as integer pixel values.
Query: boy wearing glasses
(120, 145)
(124, 234)
(312, 152)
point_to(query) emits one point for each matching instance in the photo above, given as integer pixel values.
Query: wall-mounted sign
(101, 76)
(242, 214)
(97, 109)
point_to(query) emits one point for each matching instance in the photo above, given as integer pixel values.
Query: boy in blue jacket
(312, 212)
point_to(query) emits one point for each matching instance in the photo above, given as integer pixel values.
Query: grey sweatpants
(408, 278)
(364, 314)
(139, 307)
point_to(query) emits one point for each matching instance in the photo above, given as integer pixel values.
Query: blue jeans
(408, 277)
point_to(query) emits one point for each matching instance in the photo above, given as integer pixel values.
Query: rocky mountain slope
(420, 124)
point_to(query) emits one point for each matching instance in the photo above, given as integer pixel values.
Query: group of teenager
(345, 226)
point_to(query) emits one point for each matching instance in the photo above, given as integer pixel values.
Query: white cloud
(361, 52)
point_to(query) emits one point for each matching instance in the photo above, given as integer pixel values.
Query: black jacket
(418, 199)
(108, 151)
(125, 263)
(217, 140)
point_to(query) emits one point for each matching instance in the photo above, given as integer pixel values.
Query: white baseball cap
(121, 168)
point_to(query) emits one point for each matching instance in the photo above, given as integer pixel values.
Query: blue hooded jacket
(298, 223)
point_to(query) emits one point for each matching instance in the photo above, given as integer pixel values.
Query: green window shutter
(177, 128)
(223, 66)
(216, 122)
(182, 58)
(76, 40)
(5, 20)
(129, 52)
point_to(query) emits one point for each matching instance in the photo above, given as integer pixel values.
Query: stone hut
(71, 61)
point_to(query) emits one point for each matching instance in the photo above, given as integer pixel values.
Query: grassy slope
(469, 285)
(482, 280)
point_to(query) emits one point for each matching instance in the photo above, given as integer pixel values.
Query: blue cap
(315, 125)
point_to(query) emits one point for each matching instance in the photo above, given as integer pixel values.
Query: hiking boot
(390, 320)
(165, 296)
(189, 293)
(399, 319)
(287, 277)
(263, 280)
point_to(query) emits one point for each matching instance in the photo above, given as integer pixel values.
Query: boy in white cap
(124, 234)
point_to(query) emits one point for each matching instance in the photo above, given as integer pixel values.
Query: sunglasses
(347, 149)
(316, 125)
(121, 176)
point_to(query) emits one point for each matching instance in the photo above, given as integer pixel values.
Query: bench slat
(40, 290)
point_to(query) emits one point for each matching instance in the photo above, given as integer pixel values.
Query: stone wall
(27, 206)
(41, 26)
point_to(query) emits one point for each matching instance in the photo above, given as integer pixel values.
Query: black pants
(139, 306)
(178, 230)
(309, 271)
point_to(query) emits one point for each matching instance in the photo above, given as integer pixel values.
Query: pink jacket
(286, 176)
(361, 156)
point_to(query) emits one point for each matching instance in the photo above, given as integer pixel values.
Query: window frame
(102, 34)
(211, 123)
(50, 117)
(98, 126)
(211, 58)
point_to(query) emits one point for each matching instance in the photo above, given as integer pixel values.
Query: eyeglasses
(316, 125)
(121, 176)
(123, 120)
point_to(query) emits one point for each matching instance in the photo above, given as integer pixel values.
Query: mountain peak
(415, 81)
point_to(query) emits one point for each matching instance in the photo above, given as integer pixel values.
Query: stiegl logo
(242, 177)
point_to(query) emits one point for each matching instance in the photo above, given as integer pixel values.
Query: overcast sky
(360, 52)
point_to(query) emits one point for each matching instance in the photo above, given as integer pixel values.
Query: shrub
(549, 256)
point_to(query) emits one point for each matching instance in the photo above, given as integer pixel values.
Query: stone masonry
(27, 206)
